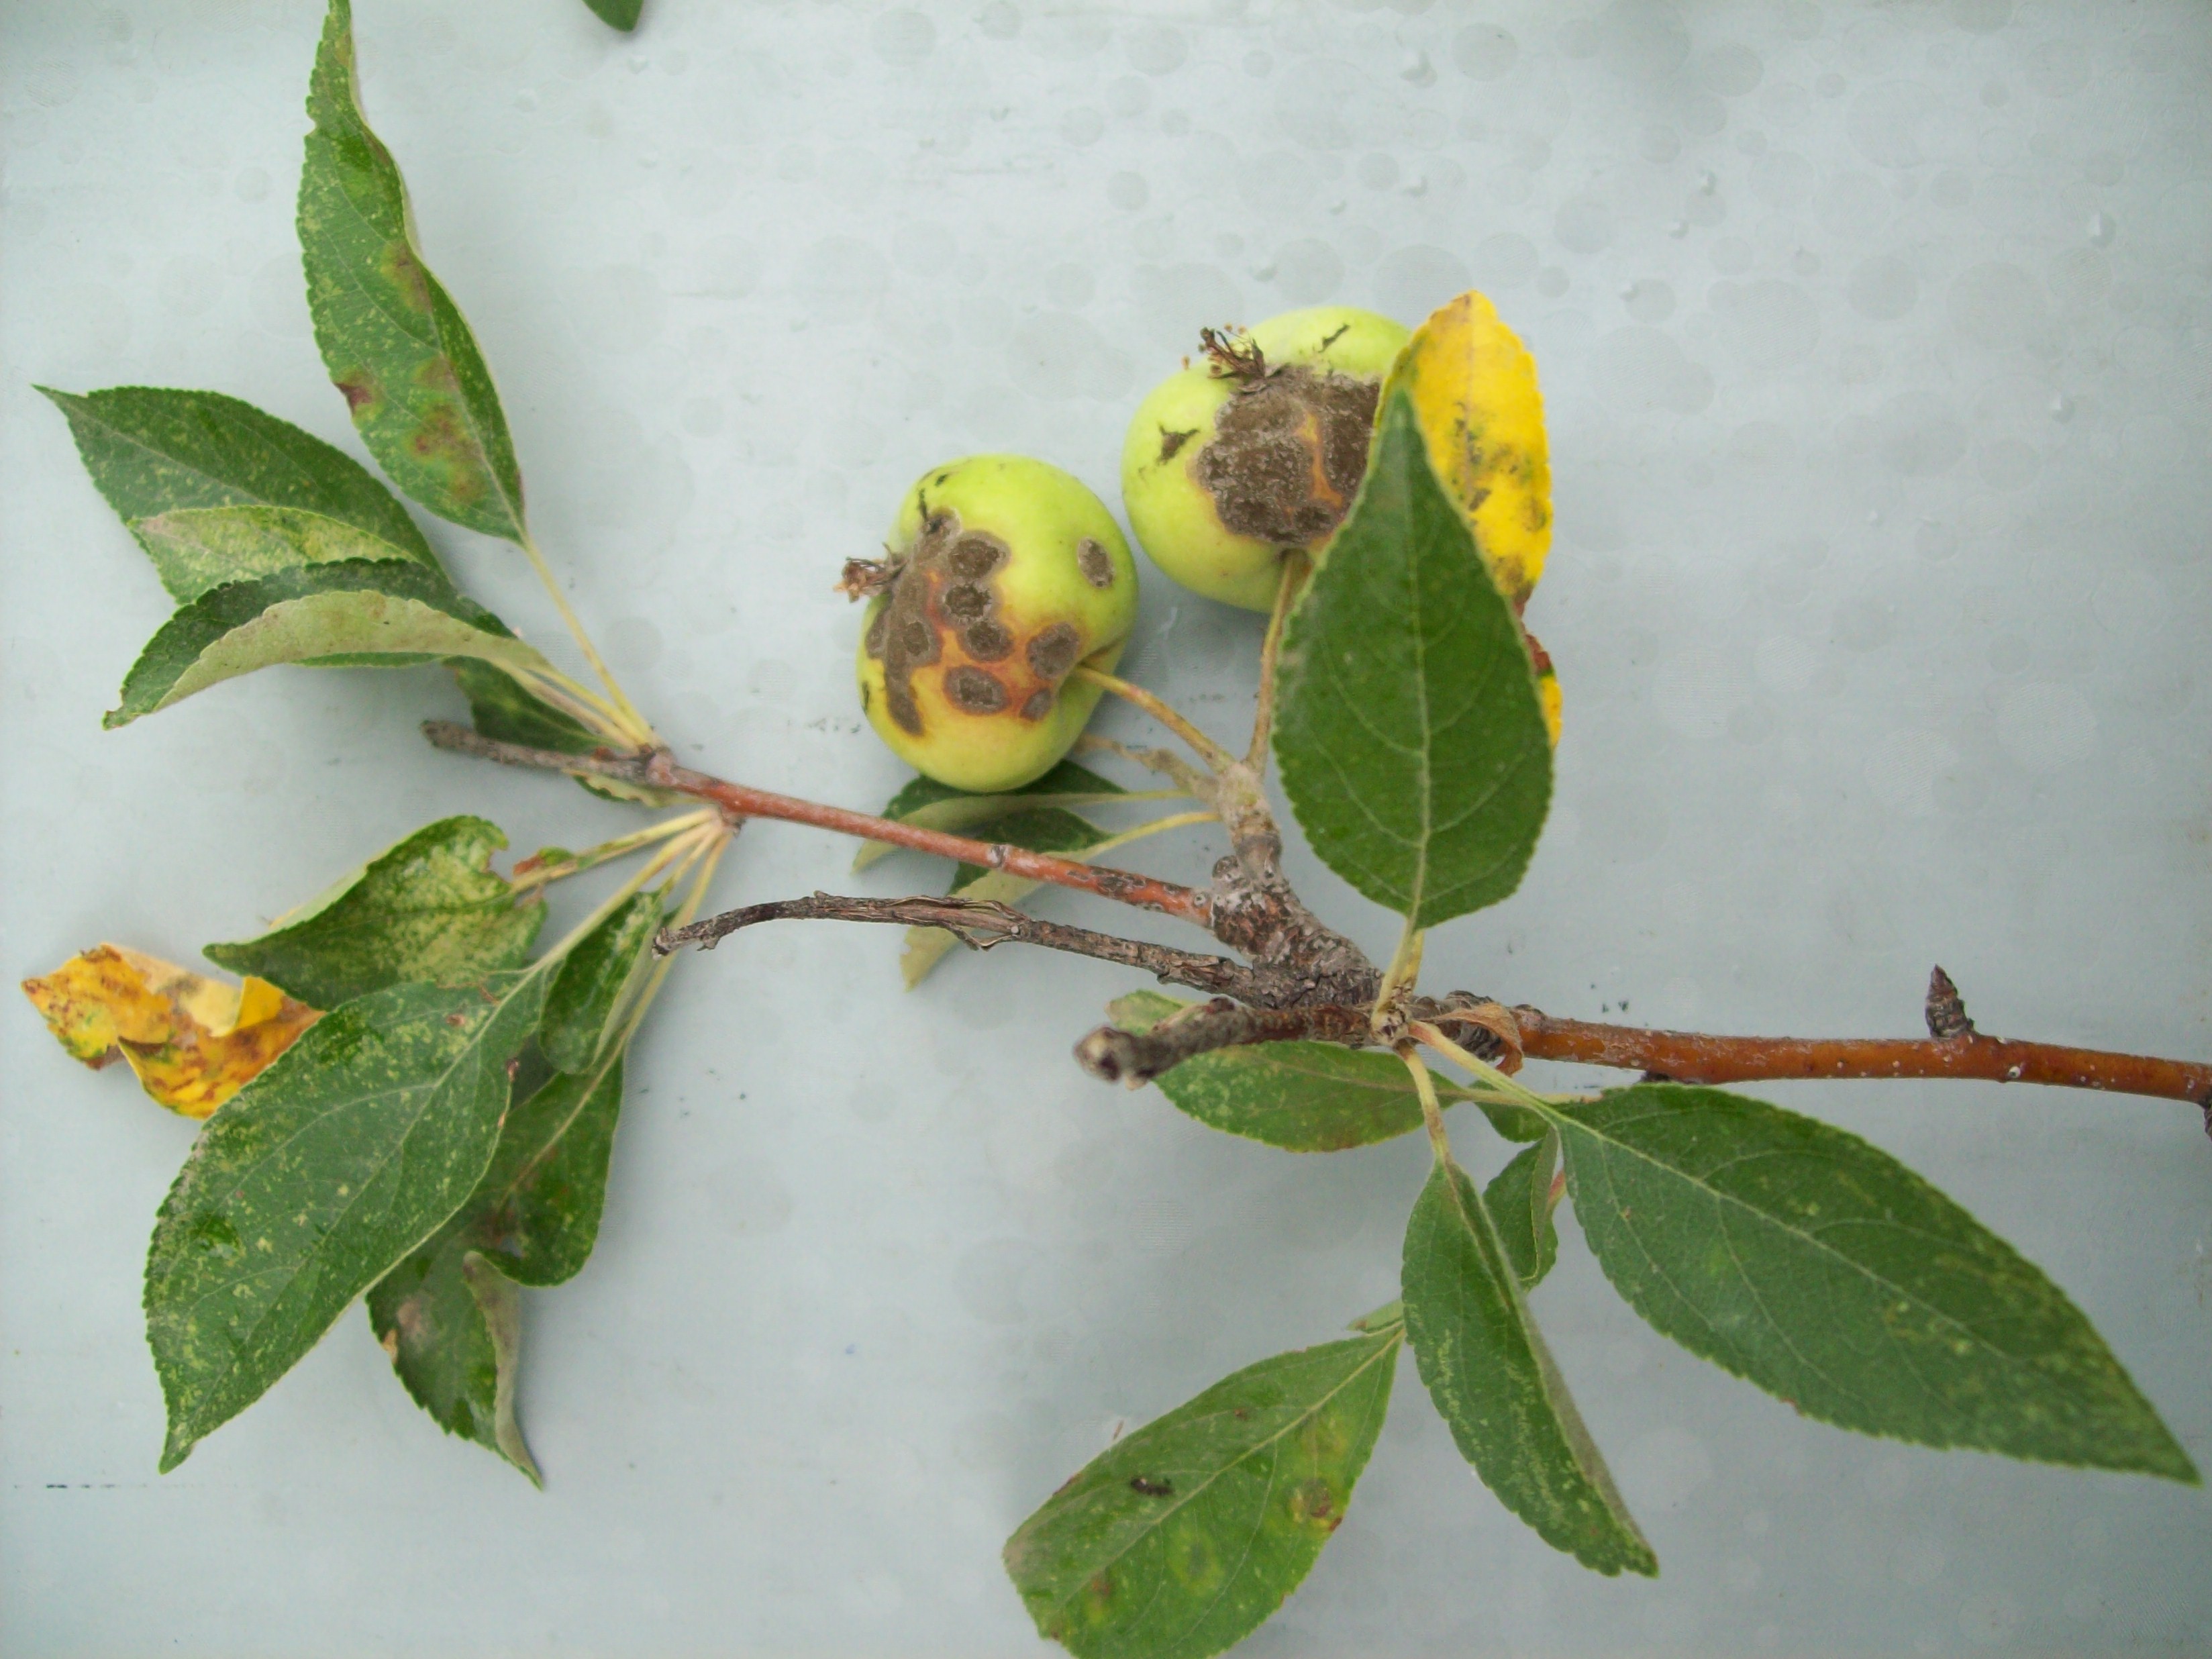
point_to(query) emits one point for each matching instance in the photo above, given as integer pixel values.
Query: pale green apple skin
(1175, 518)
(1063, 591)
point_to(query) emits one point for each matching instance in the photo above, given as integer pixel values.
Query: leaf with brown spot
(1473, 389)
(393, 340)
(192, 1042)
(1302, 1096)
(1180, 1539)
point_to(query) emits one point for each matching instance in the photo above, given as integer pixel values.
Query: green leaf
(449, 1315)
(501, 709)
(1520, 1198)
(393, 340)
(930, 804)
(1488, 1368)
(1180, 1539)
(1301, 1096)
(155, 452)
(619, 13)
(538, 1211)
(428, 909)
(1818, 1266)
(354, 607)
(452, 1324)
(598, 982)
(1042, 830)
(313, 1181)
(1411, 740)
(200, 548)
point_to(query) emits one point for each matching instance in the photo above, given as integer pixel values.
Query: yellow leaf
(1473, 387)
(194, 1042)
(1547, 684)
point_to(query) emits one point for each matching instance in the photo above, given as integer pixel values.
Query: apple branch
(658, 769)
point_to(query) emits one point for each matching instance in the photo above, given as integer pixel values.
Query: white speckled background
(1874, 342)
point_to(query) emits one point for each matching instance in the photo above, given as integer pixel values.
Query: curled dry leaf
(194, 1042)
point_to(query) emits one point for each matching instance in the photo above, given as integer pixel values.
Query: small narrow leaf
(152, 451)
(538, 1212)
(452, 1326)
(192, 1042)
(616, 13)
(1473, 387)
(1410, 730)
(1180, 1539)
(356, 608)
(1803, 1260)
(930, 804)
(1488, 1368)
(313, 1181)
(1042, 830)
(393, 340)
(428, 909)
(1301, 1096)
(1520, 1198)
(200, 548)
(499, 1300)
(597, 982)
(449, 1315)
(500, 707)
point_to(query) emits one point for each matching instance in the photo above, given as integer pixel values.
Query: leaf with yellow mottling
(1549, 699)
(393, 340)
(194, 1042)
(1474, 390)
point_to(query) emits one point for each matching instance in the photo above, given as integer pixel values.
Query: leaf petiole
(632, 724)
(1521, 1095)
(686, 847)
(704, 859)
(1432, 1113)
(530, 874)
(1204, 747)
(1152, 827)
(1296, 568)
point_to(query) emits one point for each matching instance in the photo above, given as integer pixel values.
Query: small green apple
(1257, 450)
(1005, 574)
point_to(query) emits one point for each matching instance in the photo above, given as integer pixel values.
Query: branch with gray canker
(985, 924)
(1300, 966)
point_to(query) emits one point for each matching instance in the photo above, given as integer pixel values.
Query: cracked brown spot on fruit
(939, 597)
(975, 556)
(1287, 455)
(1171, 442)
(975, 691)
(988, 640)
(965, 603)
(1095, 563)
(1053, 652)
(1037, 704)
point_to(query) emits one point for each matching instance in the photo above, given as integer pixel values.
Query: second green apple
(1256, 450)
